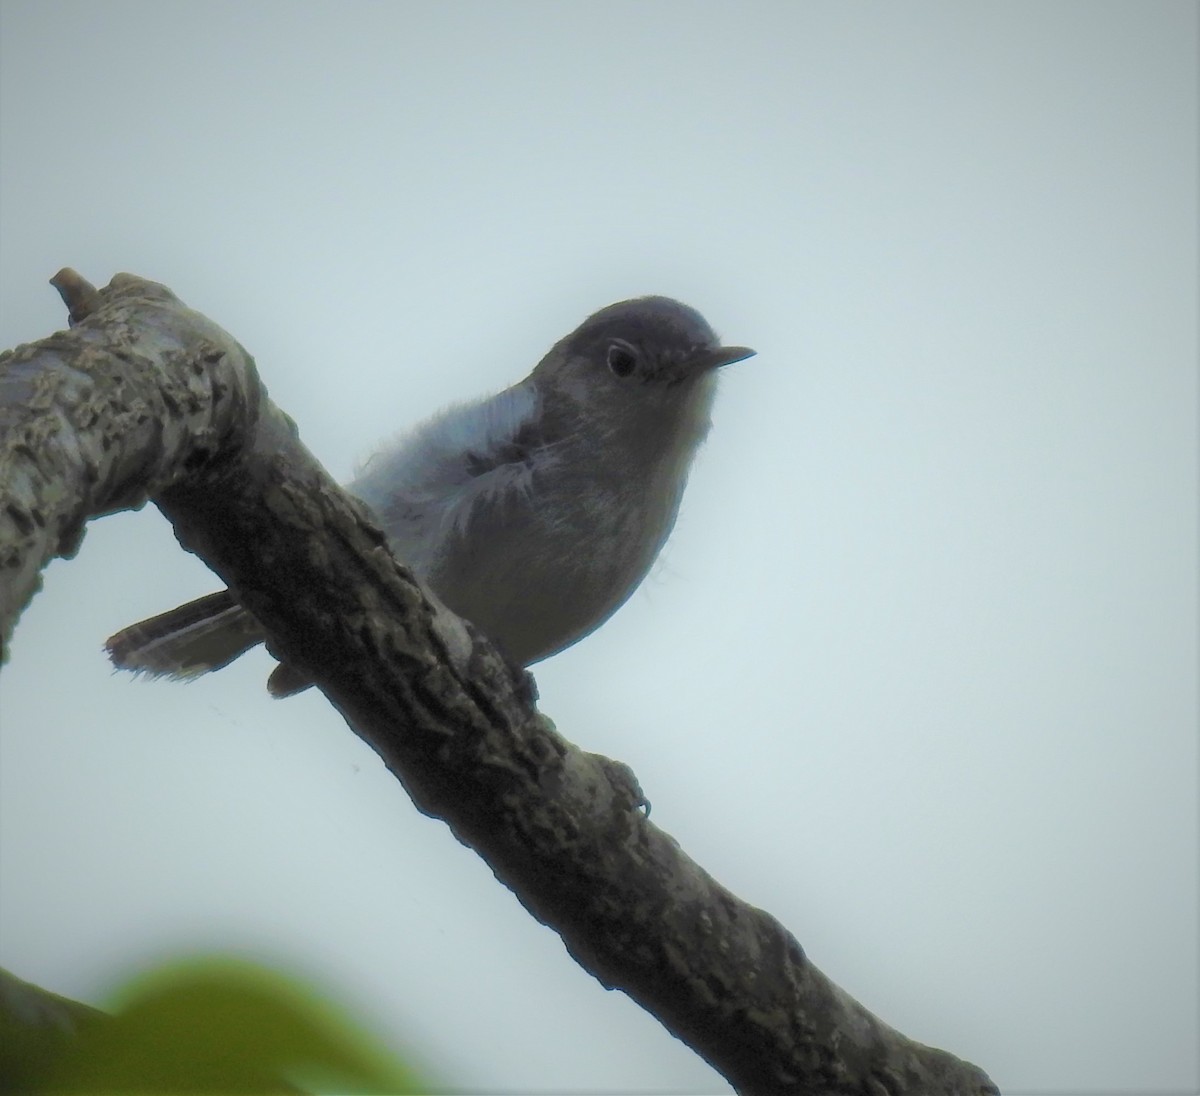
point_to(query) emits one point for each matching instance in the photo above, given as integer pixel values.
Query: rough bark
(144, 399)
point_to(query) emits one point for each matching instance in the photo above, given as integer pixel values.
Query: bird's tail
(202, 635)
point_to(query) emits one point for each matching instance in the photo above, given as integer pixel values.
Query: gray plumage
(533, 513)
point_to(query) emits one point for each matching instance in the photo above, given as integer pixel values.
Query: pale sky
(917, 672)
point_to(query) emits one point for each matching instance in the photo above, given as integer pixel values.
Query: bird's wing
(428, 482)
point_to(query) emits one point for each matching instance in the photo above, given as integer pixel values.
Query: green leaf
(225, 1026)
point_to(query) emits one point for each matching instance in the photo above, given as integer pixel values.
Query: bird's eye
(621, 360)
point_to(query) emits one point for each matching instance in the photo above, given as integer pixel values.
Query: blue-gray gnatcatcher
(533, 513)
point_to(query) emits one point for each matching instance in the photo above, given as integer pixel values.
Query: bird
(534, 513)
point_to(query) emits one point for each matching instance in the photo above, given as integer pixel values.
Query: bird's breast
(540, 570)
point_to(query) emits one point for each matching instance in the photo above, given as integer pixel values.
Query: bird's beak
(713, 357)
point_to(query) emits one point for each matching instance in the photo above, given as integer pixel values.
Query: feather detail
(428, 482)
(202, 635)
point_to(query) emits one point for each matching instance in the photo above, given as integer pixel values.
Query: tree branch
(146, 399)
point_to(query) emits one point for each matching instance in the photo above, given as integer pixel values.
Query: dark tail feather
(202, 635)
